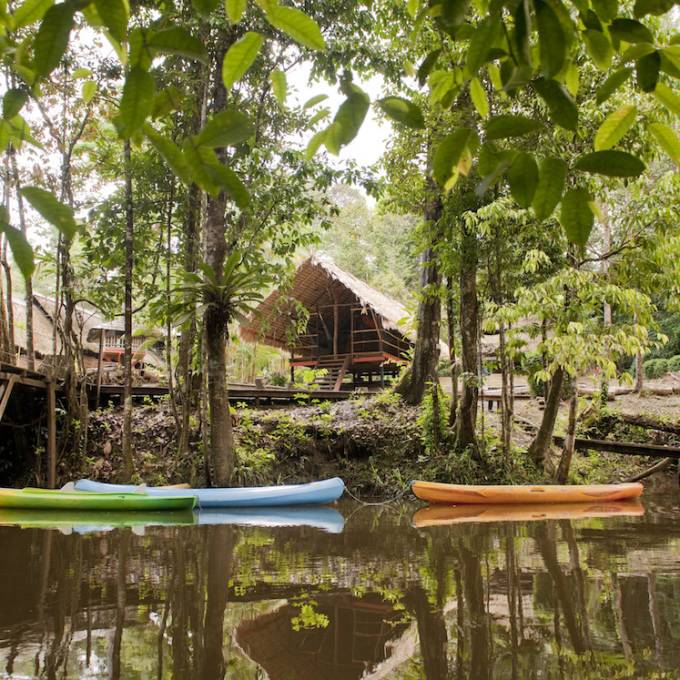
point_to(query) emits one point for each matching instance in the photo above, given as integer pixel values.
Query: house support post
(5, 394)
(51, 435)
(99, 368)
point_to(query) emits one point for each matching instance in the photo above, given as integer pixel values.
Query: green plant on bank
(433, 420)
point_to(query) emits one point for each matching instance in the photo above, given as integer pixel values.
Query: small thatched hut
(348, 327)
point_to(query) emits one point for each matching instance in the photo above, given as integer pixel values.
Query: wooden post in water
(51, 435)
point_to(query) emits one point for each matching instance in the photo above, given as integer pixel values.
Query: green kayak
(47, 499)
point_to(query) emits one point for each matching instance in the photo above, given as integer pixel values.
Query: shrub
(674, 363)
(655, 368)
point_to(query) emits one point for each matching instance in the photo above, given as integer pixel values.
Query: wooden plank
(623, 448)
(6, 394)
(51, 436)
(24, 380)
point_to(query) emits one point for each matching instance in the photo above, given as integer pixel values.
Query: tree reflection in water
(591, 598)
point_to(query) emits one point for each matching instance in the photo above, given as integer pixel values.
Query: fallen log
(623, 448)
(650, 423)
(657, 467)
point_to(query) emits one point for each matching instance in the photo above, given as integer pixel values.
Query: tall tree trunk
(423, 369)
(216, 316)
(539, 447)
(466, 437)
(569, 442)
(9, 303)
(432, 634)
(127, 313)
(639, 369)
(455, 369)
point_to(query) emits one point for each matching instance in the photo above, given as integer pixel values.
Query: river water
(345, 592)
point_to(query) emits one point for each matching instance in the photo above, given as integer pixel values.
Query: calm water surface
(352, 592)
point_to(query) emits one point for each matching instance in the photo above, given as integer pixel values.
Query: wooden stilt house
(351, 329)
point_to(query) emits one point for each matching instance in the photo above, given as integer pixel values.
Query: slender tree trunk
(432, 634)
(127, 359)
(539, 447)
(466, 436)
(639, 370)
(455, 370)
(9, 303)
(426, 354)
(5, 353)
(569, 441)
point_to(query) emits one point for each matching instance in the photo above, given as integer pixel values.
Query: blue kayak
(325, 519)
(314, 493)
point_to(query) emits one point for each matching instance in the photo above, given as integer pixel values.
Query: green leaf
(448, 154)
(205, 7)
(612, 84)
(507, 125)
(171, 154)
(571, 78)
(561, 106)
(137, 100)
(614, 127)
(314, 143)
(551, 178)
(279, 86)
(478, 96)
(599, 48)
(88, 91)
(233, 186)
(348, 120)
(611, 163)
(167, 100)
(576, 216)
(403, 111)
(647, 71)
(29, 12)
(52, 39)
(482, 40)
(55, 212)
(605, 9)
(235, 9)
(656, 7)
(630, 31)
(427, 65)
(667, 139)
(297, 25)
(552, 40)
(318, 116)
(18, 244)
(177, 40)
(114, 14)
(240, 57)
(313, 101)
(226, 128)
(523, 178)
(521, 34)
(668, 98)
(13, 101)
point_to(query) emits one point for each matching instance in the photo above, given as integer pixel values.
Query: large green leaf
(523, 178)
(13, 101)
(605, 9)
(88, 91)
(657, 7)
(52, 38)
(448, 154)
(167, 100)
(136, 103)
(313, 101)
(315, 143)
(508, 125)
(240, 57)
(552, 40)
(522, 32)
(614, 127)
(561, 106)
(612, 84)
(576, 216)
(295, 23)
(232, 185)
(551, 178)
(30, 11)
(482, 40)
(479, 98)
(226, 128)
(668, 98)
(235, 9)
(51, 209)
(667, 139)
(347, 120)
(631, 31)
(205, 7)
(20, 247)
(177, 40)
(611, 163)
(599, 48)
(170, 153)
(114, 14)
(427, 65)
(647, 71)
(403, 111)
(279, 85)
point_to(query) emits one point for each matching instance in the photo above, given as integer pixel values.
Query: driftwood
(650, 423)
(657, 467)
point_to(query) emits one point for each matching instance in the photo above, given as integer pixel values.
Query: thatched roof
(319, 281)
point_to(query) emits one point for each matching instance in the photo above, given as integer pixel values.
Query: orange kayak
(465, 494)
(443, 515)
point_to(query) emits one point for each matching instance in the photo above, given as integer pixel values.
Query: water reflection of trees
(481, 601)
